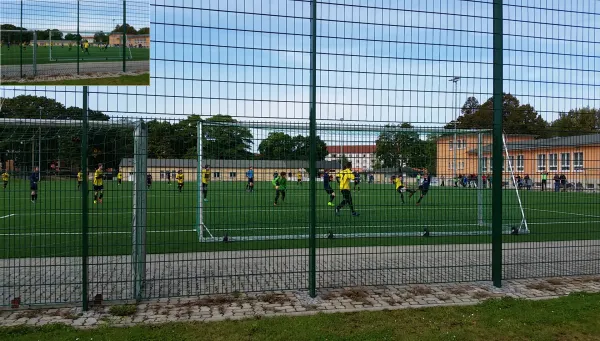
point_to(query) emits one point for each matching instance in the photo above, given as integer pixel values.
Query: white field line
(260, 229)
(567, 213)
(7, 216)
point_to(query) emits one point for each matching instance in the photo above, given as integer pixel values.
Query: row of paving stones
(240, 306)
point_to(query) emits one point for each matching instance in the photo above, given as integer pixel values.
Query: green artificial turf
(52, 226)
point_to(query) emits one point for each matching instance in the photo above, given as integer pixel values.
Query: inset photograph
(56, 42)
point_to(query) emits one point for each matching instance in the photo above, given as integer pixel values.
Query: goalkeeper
(280, 183)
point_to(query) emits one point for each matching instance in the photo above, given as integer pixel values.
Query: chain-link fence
(284, 145)
(49, 40)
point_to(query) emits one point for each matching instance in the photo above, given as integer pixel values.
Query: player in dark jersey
(327, 178)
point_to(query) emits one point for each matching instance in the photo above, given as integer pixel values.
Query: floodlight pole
(455, 80)
(40, 145)
(312, 271)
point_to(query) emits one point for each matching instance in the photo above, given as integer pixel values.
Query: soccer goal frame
(483, 226)
(54, 58)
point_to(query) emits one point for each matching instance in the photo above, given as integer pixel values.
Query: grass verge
(572, 317)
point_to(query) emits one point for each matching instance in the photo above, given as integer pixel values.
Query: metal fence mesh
(500, 113)
(66, 39)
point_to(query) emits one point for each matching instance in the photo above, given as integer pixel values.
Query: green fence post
(497, 148)
(21, 39)
(124, 34)
(78, 39)
(312, 266)
(84, 202)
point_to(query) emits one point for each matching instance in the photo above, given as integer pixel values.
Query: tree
(144, 30)
(226, 141)
(14, 37)
(161, 142)
(61, 143)
(517, 118)
(281, 146)
(399, 148)
(277, 146)
(100, 37)
(130, 29)
(71, 36)
(577, 122)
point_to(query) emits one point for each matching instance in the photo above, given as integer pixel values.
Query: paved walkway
(48, 281)
(241, 306)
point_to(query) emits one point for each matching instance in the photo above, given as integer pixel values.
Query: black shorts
(250, 180)
(180, 184)
(356, 182)
(33, 187)
(5, 183)
(423, 190)
(400, 189)
(329, 190)
(148, 183)
(119, 180)
(204, 186)
(98, 188)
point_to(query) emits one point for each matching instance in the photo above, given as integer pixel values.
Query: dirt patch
(541, 286)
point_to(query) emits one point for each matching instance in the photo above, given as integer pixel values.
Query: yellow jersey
(5, 177)
(345, 176)
(80, 176)
(98, 178)
(299, 176)
(86, 45)
(398, 183)
(179, 178)
(205, 176)
(119, 176)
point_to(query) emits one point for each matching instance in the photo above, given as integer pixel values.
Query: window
(541, 162)
(578, 161)
(520, 163)
(451, 144)
(334, 155)
(232, 174)
(511, 165)
(565, 161)
(553, 162)
(216, 175)
(449, 165)
(464, 144)
(485, 164)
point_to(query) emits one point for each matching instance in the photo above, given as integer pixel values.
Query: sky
(378, 62)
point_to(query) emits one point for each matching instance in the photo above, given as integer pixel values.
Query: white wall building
(362, 157)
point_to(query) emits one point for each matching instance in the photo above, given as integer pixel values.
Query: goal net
(458, 202)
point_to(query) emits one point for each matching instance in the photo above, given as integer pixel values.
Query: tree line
(223, 139)
(55, 34)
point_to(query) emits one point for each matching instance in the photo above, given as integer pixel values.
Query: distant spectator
(484, 181)
(563, 182)
(528, 182)
(556, 183)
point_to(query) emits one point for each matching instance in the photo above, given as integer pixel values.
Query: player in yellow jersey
(86, 47)
(397, 181)
(205, 181)
(299, 177)
(119, 178)
(344, 177)
(79, 179)
(179, 178)
(5, 177)
(98, 184)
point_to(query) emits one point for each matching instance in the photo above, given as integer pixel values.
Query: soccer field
(60, 54)
(52, 226)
